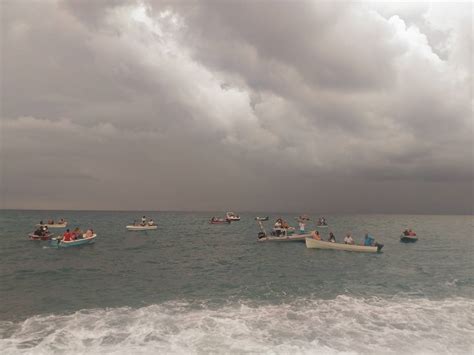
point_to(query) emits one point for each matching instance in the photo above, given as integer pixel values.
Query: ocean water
(195, 288)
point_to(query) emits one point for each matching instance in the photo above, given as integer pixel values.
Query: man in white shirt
(348, 239)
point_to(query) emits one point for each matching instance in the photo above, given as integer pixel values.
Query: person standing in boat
(143, 220)
(302, 226)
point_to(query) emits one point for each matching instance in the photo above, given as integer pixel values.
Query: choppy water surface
(191, 287)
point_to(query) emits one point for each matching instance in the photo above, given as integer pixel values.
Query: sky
(307, 106)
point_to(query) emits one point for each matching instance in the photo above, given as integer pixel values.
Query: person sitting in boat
(405, 232)
(77, 233)
(332, 238)
(411, 233)
(68, 236)
(41, 222)
(61, 221)
(285, 225)
(315, 235)
(39, 231)
(143, 220)
(150, 222)
(89, 233)
(369, 240)
(348, 239)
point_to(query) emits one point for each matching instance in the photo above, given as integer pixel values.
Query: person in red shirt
(68, 236)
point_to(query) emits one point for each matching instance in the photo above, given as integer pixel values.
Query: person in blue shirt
(369, 240)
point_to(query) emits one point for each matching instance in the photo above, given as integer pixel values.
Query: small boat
(408, 238)
(141, 227)
(279, 235)
(231, 216)
(261, 218)
(58, 243)
(33, 236)
(54, 225)
(321, 244)
(215, 220)
(262, 237)
(321, 225)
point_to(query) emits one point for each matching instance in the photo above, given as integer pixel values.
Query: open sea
(194, 288)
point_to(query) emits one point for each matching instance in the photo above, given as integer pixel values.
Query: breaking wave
(345, 324)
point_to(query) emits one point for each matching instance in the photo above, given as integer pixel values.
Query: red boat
(33, 236)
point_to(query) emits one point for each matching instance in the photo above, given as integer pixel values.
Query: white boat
(141, 228)
(321, 225)
(283, 238)
(231, 216)
(321, 244)
(54, 225)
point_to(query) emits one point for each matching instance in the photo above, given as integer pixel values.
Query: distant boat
(33, 236)
(321, 244)
(261, 218)
(216, 220)
(53, 225)
(58, 243)
(408, 238)
(141, 228)
(231, 216)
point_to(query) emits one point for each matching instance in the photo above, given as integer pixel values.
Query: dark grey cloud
(341, 107)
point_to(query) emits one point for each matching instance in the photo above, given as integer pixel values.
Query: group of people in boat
(51, 221)
(322, 222)
(41, 231)
(69, 236)
(409, 232)
(144, 222)
(369, 240)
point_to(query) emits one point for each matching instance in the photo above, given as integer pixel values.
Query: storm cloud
(265, 106)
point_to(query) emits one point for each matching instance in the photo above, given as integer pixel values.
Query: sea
(190, 287)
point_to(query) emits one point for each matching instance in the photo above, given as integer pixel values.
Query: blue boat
(58, 243)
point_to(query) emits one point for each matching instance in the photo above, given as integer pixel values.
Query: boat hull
(219, 221)
(57, 225)
(284, 238)
(321, 244)
(322, 226)
(32, 236)
(141, 228)
(408, 239)
(73, 243)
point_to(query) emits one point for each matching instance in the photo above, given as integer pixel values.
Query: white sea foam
(344, 325)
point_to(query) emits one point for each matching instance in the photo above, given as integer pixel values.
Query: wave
(344, 325)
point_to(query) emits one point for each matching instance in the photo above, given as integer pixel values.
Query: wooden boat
(408, 238)
(141, 228)
(231, 216)
(54, 225)
(33, 236)
(321, 244)
(215, 220)
(279, 235)
(261, 218)
(262, 237)
(58, 243)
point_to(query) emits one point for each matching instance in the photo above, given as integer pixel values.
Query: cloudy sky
(308, 106)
